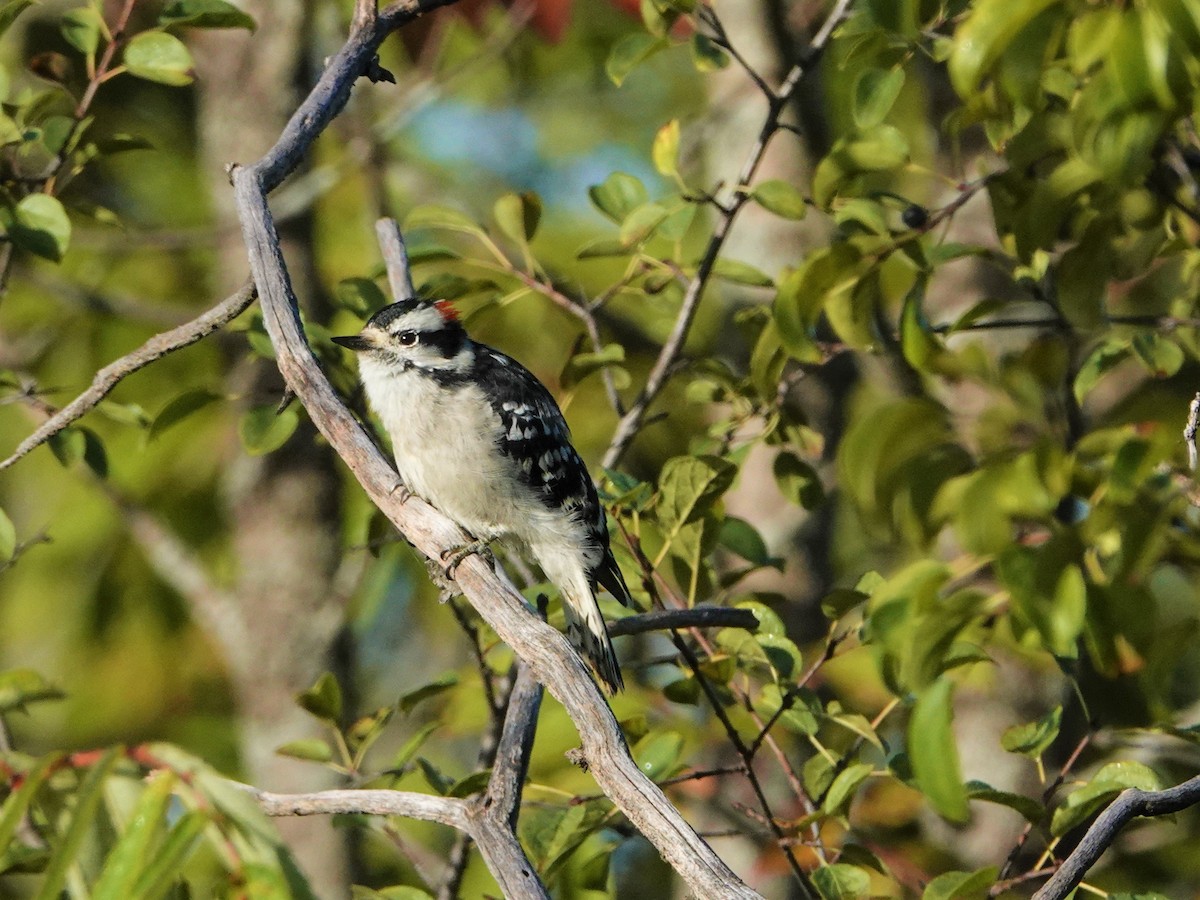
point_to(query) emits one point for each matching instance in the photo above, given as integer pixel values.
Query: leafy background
(926, 425)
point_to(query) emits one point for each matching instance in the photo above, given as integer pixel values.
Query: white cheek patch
(426, 319)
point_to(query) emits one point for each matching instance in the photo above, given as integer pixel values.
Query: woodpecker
(479, 437)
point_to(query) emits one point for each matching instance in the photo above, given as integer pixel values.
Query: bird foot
(454, 556)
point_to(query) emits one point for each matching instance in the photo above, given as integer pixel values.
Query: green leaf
(433, 216)
(87, 804)
(842, 882)
(665, 149)
(263, 429)
(8, 538)
(984, 35)
(437, 779)
(933, 753)
(163, 869)
(159, 57)
(518, 215)
(875, 93)
(440, 685)
(410, 747)
(688, 487)
(323, 699)
(641, 223)
(475, 783)
(127, 859)
(205, 14)
(797, 717)
(180, 408)
(706, 55)
(798, 481)
(962, 885)
(658, 754)
(1161, 356)
(780, 197)
(1104, 358)
(312, 749)
(361, 296)
(10, 11)
(630, 52)
(741, 273)
(841, 792)
(1034, 738)
(82, 28)
(41, 226)
(16, 804)
(581, 365)
(618, 196)
(740, 537)
(19, 687)
(1081, 804)
(1031, 809)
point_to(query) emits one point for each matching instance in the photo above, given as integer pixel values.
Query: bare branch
(696, 617)
(544, 649)
(664, 364)
(1189, 431)
(1129, 805)
(365, 13)
(395, 258)
(443, 810)
(154, 349)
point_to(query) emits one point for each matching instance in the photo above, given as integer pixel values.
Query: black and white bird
(479, 437)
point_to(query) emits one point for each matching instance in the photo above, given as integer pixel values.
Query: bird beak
(355, 342)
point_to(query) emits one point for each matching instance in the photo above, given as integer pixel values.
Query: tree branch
(1100, 836)
(154, 349)
(696, 617)
(426, 807)
(541, 647)
(663, 365)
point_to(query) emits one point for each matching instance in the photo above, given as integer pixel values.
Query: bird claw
(453, 557)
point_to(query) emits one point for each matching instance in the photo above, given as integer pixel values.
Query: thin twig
(395, 258)
(444, 810)
(1189, 431)
(696, 617)
(631, 422)
(154, 349)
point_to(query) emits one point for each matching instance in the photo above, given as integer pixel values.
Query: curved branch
(1129, 805)
(541, 647)
(154, 349)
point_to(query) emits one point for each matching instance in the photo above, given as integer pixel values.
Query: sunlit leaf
(781, 198)
(128, 857)
(518, 215)
(618, 196)
(665, 150)
(41, 226)
(440, 685)
(311, 749)
(933, 752)
(82, 28)
(842, 882)
(658, 754)
(1034, 738)
(961, 885)
(875, 92)
(160, 57)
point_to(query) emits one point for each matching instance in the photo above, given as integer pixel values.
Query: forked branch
(539, 646)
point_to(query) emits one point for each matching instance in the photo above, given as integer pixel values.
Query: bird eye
(407, 338)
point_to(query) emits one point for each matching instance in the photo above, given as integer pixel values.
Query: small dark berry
(914, 216)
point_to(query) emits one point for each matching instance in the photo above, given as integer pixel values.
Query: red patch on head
(446, 308)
